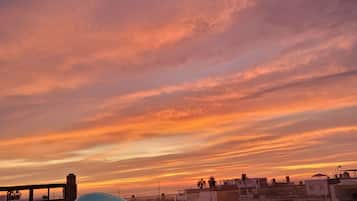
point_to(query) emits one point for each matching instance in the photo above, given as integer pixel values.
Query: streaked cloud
(129, 94)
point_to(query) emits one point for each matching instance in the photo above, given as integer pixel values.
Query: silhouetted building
(319, 188)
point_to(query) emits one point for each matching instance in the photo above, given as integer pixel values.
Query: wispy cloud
(175, 91)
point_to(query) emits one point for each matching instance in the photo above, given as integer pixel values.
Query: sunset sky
(127, 94)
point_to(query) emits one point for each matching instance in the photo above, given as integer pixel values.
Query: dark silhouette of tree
(212, 182)
(163, 196)
(201, 184)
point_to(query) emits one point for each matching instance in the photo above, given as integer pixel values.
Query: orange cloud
(142, 91)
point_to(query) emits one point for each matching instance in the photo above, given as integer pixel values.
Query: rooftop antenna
(159, 189)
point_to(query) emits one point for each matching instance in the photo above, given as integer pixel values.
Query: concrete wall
(227, 196)
(318, 187)
(346, 193)
(194, 196)
(208, 196)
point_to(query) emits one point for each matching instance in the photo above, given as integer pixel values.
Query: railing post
(31, 195)
(71, 188)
